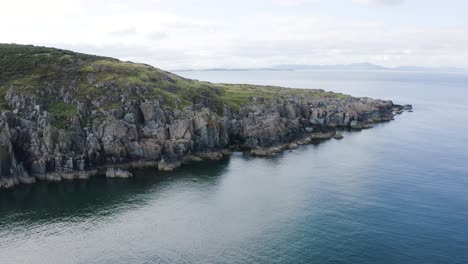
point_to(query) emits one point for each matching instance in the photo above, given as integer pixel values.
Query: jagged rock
(321, 135)
(407, 107)
(164, 165)
(190, 158)
(267, 152)
(118, 173)
(338, 136)
(355, 125)
(210, 155)
(53, 176)
(112, 124)
(293, 146)
(152, 112)
(166, 138)
(181, 129)
(366, 126)
(151, 149)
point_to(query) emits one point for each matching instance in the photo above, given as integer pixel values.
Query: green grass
(3, 102)
(61, 111)
(20, 60)
(89, 91)
(26, 84)
(45, 71)
(179, 92)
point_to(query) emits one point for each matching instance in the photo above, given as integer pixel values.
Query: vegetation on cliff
(66, 115)
(42, 72)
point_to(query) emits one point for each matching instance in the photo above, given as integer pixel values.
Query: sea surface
(397, 193)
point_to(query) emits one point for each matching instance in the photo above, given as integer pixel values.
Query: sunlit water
(397, 193)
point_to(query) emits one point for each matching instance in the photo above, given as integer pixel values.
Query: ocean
(396, 193)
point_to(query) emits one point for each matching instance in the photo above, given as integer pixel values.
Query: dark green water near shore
(397, 193)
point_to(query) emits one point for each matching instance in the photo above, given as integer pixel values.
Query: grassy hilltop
(66, 115)
(42, 72)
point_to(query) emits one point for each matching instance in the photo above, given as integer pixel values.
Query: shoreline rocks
(118, 173)
(338, 136)
(144, 134)
(69, 116)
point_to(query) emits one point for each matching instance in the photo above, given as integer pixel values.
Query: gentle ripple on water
(396, 193)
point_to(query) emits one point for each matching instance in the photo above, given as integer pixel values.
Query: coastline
(87, 115)
(124, 170)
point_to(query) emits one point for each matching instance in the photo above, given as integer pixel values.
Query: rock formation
(63, 128)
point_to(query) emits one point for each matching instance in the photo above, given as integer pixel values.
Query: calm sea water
(397, 193)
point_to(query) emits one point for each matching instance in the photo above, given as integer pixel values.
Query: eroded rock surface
(32, 148)
(67, 116)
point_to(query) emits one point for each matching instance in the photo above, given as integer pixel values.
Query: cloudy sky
(182, 34)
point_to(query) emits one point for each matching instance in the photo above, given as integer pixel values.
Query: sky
(200, 34)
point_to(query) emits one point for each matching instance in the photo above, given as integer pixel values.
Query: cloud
(157, 35)
(161, 33)
(362, 2)
(132, 32)
(379, 2)
(295, 2)
(124, 32)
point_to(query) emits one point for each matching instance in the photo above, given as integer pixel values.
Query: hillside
(68, 115)
(50, 74)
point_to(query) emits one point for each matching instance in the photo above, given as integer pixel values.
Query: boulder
(338, 136)
(355, 125)
(118, 173)
(147, 133)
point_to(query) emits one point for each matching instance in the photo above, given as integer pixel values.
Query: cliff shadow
(80, 198)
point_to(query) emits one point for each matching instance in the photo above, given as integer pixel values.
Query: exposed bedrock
(141, 133)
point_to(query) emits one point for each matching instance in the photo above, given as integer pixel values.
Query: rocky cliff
(68, 116)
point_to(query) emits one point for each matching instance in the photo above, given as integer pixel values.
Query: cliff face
(72, 115)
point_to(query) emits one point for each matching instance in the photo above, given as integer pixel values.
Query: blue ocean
(396, 193)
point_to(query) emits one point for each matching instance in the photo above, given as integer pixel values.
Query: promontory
(67, 115)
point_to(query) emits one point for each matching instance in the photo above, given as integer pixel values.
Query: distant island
(67, 115)
(341, 67)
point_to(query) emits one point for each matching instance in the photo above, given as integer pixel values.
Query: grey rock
(338, 136)
(355, 125)
(118, 173)
(145, 134)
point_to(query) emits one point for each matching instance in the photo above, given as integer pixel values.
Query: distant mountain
(366, 67)
(354, 67)
(343, 67)
(429, 69)
(67, 115)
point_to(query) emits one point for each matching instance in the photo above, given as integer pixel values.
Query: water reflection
(396, 193)
(49, 200)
